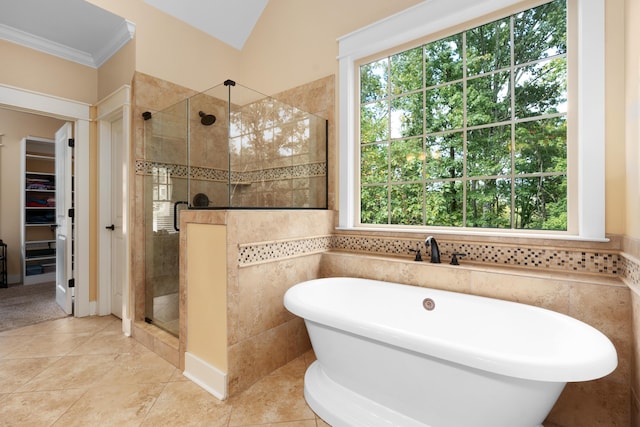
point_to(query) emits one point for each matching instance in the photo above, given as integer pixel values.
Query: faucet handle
(417, 251)
(454, 258)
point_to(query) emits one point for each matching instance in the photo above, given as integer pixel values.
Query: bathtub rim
(592, 366)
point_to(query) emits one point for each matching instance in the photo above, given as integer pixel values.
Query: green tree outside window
(470, 130)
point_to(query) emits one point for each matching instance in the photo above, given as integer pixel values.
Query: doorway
(29, 189)
(16, 99)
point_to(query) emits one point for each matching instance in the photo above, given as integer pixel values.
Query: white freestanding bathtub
(397, 355)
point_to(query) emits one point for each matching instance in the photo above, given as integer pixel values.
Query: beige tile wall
(585, 290)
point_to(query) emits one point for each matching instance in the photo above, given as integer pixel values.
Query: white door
(118, 249)
(64, 231)
(113, 117)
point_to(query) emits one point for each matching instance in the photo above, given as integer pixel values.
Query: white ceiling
(228, 20)
(84, 33)
(71, 29)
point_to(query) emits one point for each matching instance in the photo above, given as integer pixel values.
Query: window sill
(488, 234)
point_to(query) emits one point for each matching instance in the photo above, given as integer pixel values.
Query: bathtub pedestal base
(341, 407)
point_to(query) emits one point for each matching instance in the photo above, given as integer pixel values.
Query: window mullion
(389, 109)
(512, 83)
(464, 129)
(424, 138)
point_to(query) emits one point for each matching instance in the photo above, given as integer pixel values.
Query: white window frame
(432, 16)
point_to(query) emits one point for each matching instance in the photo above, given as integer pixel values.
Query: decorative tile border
(630, 270)
(251, 254)
(556, 259)
(273, 174)
(209, 174)
(548, 258)
(144, 167)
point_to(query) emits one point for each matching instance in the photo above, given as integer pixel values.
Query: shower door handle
(175, 214)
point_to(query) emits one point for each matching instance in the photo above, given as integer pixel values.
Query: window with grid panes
(469, 130)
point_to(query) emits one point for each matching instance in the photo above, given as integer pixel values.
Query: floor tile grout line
(155, 401)
(70, 406)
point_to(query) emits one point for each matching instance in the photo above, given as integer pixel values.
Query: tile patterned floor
(84, 372)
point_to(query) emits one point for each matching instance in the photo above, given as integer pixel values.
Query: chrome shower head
(207, 119)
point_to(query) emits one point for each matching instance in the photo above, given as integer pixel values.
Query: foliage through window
(470, 130)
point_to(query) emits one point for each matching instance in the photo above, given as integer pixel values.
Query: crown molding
(123, 34)
(44, 45)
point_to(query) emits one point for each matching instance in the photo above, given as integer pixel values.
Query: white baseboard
(126, 326)
(93, 308)
(205, 375)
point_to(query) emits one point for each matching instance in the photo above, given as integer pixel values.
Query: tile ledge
(583, 277)
(630, 257)
(159, 334)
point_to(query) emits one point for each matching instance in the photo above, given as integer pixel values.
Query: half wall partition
(229, 147)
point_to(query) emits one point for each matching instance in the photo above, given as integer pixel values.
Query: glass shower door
(165, 193)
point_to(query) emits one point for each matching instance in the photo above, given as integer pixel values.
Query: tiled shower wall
(154, 95)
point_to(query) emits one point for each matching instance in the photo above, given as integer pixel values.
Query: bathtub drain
(428, 304)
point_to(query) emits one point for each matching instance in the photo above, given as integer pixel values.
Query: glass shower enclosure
(229, 147)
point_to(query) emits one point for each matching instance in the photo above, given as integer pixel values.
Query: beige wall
(117, 70)
(15, 126)
(615, 117)
(295, 42)
(30, 69)
(40, 72)
(207, 296)
(172, 50)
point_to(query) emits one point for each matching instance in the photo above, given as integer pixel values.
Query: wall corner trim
(205, 375)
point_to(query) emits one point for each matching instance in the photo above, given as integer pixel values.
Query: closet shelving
(38, 211)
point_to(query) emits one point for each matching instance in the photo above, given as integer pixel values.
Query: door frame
(114, 107)
(20, 99)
